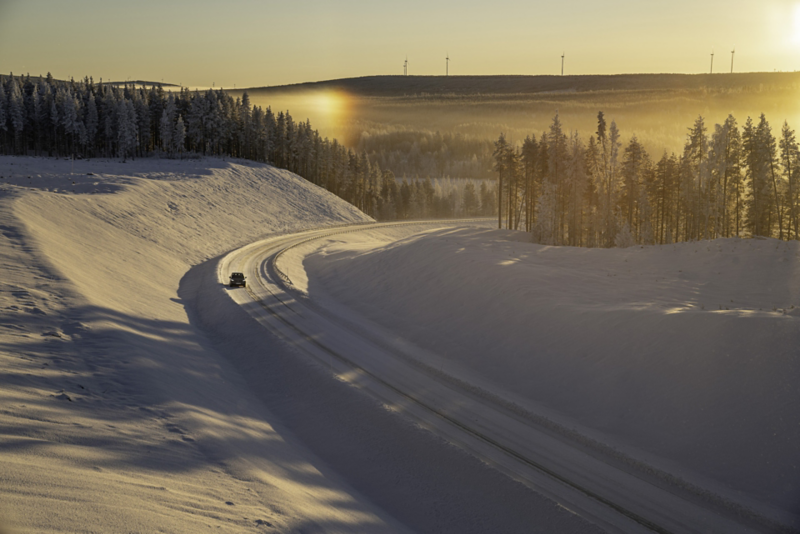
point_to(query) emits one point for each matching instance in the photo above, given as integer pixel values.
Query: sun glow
(331, 106)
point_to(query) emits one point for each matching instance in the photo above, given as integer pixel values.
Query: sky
(254, 43)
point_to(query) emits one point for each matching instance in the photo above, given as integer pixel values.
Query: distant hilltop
(141, 83)
(474, 85)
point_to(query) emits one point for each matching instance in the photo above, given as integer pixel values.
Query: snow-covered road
(553, 463)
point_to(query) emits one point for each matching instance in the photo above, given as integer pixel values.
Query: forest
(443, 126)
(564, 189)
(47, 117)
(601, 192)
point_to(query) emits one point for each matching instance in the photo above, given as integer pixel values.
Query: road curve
(552, 464)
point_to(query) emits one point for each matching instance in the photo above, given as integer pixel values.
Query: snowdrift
(684, 357)
(136, 396)
(115, 415)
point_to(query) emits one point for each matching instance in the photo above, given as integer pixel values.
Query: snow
(135, 396)
(117, 415)
(679, 358)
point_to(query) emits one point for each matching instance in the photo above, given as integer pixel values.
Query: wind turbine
(732, 53)
(405, 67)
(447, 67)
(562, 63)
(712, 61)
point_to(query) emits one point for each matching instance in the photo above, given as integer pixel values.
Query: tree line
(424, 153)
(733, 181)
(47, 117)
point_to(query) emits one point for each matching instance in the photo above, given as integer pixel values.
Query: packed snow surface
(115, 415)
(684, 357)
(120, 410)
(136, 396)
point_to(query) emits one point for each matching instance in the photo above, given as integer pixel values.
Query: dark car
(238, 279)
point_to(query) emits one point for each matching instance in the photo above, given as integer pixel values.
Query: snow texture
(135, 396)
(683, 358)
(116, 414)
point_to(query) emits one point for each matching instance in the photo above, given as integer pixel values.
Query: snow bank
(115, 415)
(135, 396)
(683, 356)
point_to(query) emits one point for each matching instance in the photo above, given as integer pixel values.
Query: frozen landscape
(680, 360)
(278, 269)
(136, 395)
(128, 406)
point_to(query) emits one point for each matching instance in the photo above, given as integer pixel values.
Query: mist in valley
(450, 131)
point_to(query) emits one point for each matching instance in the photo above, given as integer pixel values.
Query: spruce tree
(790, 161)
(500, 154)
(180, 136)
(3, 116)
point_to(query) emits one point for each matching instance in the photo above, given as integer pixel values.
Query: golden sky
(199, 43)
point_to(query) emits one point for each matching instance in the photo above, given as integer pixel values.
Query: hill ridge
(398, 85)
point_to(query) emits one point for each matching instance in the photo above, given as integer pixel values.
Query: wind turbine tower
(447, 65)
(732, 53)
(562, 63)
(405, 67)
(712, 61)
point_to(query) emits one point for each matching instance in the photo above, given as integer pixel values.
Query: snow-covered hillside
(116, 415)
(135, 396)
(684, 356)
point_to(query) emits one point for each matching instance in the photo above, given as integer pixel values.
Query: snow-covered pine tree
(695, 156)
(545, 230)
(180, 136)
(769, 153)
(500, 154)
(142, 110)
(530, 156)
(126, 129)
(16, 113)
(92, 122)
(557, 152)
(165, 131)
(635, 163)
(3, 116)
(575, 186)
(624, 238)
(790, 161)
(470, 200)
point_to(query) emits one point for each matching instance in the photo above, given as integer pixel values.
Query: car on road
(238, 279)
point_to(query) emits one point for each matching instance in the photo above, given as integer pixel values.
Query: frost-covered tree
(92, 121)
(697, 184)
(635, 164)
(725, 171)
(3, 115)
(166, 130)
(180, 136)
(767, 146)
(545, 230)
(624, 239)
(575, 191)
(126, 129)
(608, 144)
(501, 150)
(530, 160)
(759, 155)
(16, 113)
(790, 161)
